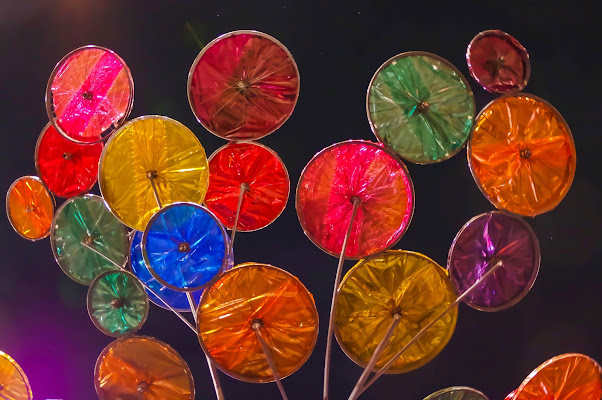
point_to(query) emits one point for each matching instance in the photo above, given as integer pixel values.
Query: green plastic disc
(457, 393)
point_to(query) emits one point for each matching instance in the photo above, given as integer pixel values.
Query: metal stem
(243, 188)
(337, 279)
(151, 177)
(270, 357)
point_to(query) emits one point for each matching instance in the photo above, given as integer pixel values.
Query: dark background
(43, 318)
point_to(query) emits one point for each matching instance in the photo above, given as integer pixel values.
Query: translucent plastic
(13, 381)
(457, 393)
(30, 207)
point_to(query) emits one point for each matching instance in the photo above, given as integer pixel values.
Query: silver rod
(423, 330)
(243, 188)
(151, 177)
(337, 279)
(375, 356)
(268, 354)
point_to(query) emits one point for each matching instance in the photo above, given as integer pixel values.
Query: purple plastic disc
(480, 244)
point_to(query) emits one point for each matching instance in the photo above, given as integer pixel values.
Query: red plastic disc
(67, 168)
(266, 179)
(243, 85)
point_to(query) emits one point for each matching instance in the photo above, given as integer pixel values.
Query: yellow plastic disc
(396, 281)
(13, 382)
(147, 150)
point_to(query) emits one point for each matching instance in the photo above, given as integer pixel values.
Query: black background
(43, 318)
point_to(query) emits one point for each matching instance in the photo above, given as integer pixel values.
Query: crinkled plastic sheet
(156, 145)
(142, 367)
(332, 179)
(30, 208)
(256, 166)
(395, 281)
(253, 292)
(243, 85)
(13, 381)
(86, 219)
(457, 393)
(483, 242)
(522, 155)
(420, 106)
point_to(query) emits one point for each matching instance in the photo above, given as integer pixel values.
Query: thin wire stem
(243, 188)
(151, 176)
(268, 354)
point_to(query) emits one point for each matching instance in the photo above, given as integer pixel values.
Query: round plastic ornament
(90, 93)
(30, 207)
(257, 293)
(13, 381)
(498, 62)
(67, 168)
(335, 178)
(87, 239)
(243, 85)
(522, 155)
(142, 368)
(400, 282)
(457, 393)
(117, 303)
(484, 241)
(254, 172)
(185, 247)
(421, 107)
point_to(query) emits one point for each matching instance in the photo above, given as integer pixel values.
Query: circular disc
(483, 242)
(243, 85)
(266, 179)
(250, 293)
(185, 247)
(67, 168)
(457, 393)
(498, 62)
(396, 281)
(30, 207)
(421, 107)
(151, 146)
(142, 368)
(13, 381)
(87, 239)
(117, 303)
(338, 174)
(564, 377)
(89, 94)
(522, 154)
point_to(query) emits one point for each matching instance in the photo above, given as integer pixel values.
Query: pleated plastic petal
(185, 247)
(13, 381)
(30, 208)
(564, 377)
(342, 172)
(67, 168)
(243, 85)
(257, 292)
(522, 155)
(483, 242)
(117, 303)
(90, 92)
(457, 393)
(421, 107)
(87, 239)
(161, 147)
(266, 179)
(376, 288)
(142, 368)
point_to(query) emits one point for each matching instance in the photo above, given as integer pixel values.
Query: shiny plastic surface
(117, 303)
(151, 146)
(87, 220)
(338, 174)
(67, 168)
(421, 107)
(266, 177)
(243, 85)
(142, 368)
(396, 281)
(522, 154)
(257, 292)
(483, 242)
(13, 381)
(89, 94)
(498, 62)
(457, 393)
(185, 247)
(30, 208)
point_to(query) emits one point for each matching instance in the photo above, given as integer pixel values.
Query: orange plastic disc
(522, 154)
(250, 293)
(30, 207)
(13, 381)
